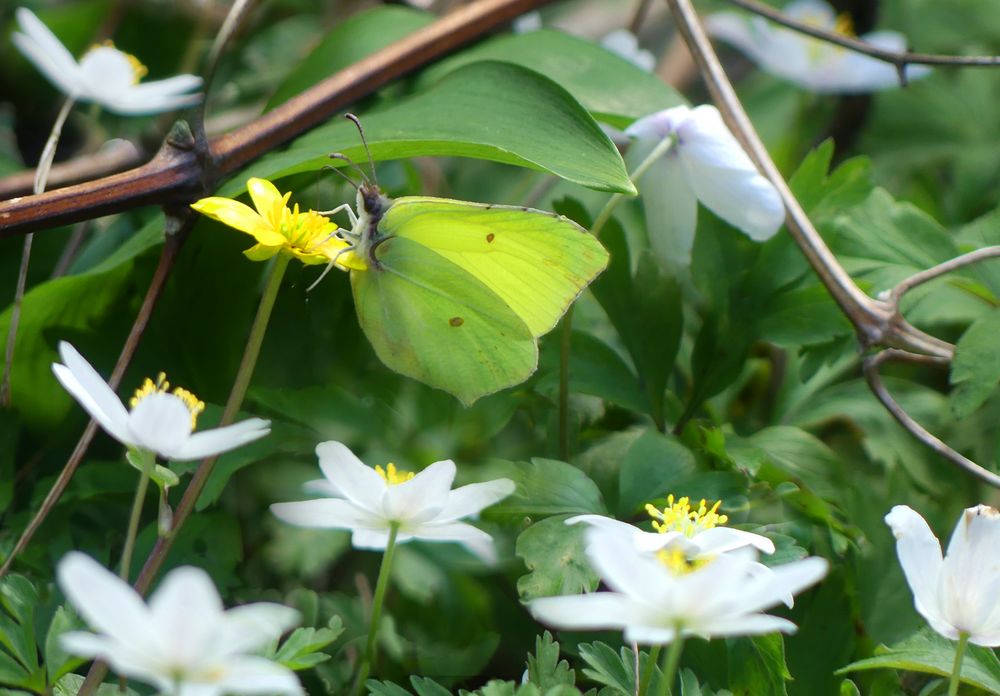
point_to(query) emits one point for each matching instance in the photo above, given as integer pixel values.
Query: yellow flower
(308, 235)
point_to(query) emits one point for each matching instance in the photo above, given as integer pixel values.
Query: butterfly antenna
(364, 141)
(338, 172)
(357, 167)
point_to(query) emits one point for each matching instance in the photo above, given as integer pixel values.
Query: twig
(115, 156)
(900, 59)
(876, 321)
(874, 379)
(175, 177)
(933, 272)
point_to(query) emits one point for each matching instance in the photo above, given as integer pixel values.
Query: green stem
(956, 668)
(148, 460)
(381, 585)
(647, 674)
(567, 325)
(671, 660)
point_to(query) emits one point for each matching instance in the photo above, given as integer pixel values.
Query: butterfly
(455, 294)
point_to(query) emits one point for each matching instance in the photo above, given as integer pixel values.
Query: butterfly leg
(330, 265)
(345, 207)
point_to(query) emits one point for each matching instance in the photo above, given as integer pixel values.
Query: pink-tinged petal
(471, 499)
(160, 422)
(920, 556)
(218, 440)
(328, 514)
(723, 539)
(251, 626)
(107, 603)
(671, 209)
(186, 611)
(475, 540)
(421, 498)
(595, 611)
(92, 392)
(358, 483)
(46, 52)
(255, 675)
(725, 180)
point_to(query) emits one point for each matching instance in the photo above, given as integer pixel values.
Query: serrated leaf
(757, 665)
(975, 370)
(554, 554)
(545, 669)
(550, 487)
(301, 650)
(425, 686)
(487, 105)
(57, 661)
(71, 683)
(654, 466)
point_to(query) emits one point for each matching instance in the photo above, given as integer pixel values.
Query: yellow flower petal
(261, 252)
(238, 216)
(265, 197)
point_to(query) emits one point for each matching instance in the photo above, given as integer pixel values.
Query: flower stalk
(647, 674)
(381, 585)
(671, 659)
(147, 461)
(956, 668)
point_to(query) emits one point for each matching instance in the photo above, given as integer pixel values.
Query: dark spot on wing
(490, 237)
(456, 321)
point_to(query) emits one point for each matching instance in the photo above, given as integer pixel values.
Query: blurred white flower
(698, 532)
(183, 642)
(656, 598)
(625, 44)
(813, 64)
(959, 593)
(370, 501)
(527, 23)
(159, 421)
(705, 163)
(104, 75)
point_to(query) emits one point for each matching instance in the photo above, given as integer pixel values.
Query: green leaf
(478, 111)
(425, 686)
(655, 465)
(301, 650)
(551, 487)
(351, 40)
(554, 554)
(57, 661)
(545, 669)
(19, 665)
(930, 653)
(595, 368)
(386, 688)
(606, 666)
(610, 87)
(975, 370)
(71, 683)
(757, 666)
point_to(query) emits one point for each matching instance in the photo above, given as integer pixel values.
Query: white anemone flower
(704, 163)
(697, 531)
(159, 421)
(370, 501)
(958, 593)
(816, 65)
(104, 75)
(183, 642)
(657, 598)
(624, 43)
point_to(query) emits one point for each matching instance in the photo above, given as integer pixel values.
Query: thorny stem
(41, 177)
(956, 668)
(148, 460)
(381, 585)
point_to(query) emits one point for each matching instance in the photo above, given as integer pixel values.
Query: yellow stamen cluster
(304, 230)
(161, 386)
(393, 476)
(677, 563)
(678, 516)
(139, 70)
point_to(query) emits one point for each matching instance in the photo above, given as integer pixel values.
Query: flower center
(161, 386)
(393, 476)
(677, 563)
(139, 70)
(678, 516)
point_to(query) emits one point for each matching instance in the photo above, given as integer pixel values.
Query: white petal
(766, 590)
(625, 44)
(255, 675)
(748, 625)
(187, 613)
(107, 73)
(358, 483)
(106, 602)
(130, 103)
(671, 210)
(375, 539)
(920, 556)
(598, 610)
(723, 539)
(217, 440)
(724, 178)
(328, 514)
(92, 392)
(162, 423)
(970, 573)
(471, 499)
(48, 54)
(476, 540)
(251, 626)
(641, 540)
(662, 124)
(321, 487)
(624, 568)
(650, 635)
(422, 497)
(123, 657)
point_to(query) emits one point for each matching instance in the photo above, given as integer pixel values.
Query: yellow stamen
(845, 25)
(677, 563)
(139, 70)
(393, 476)
(678, 516)
(161, 386)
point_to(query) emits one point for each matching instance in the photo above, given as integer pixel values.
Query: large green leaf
(551, 487)
(757, 665)
(610, 87)
(554, 555)
(975, 370)
(478, 111)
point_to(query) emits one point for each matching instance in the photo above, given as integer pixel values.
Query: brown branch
(900, 59)
(874, 379)
(114, 157)
(175, 175)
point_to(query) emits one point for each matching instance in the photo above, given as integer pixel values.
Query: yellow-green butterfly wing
(456, 293)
